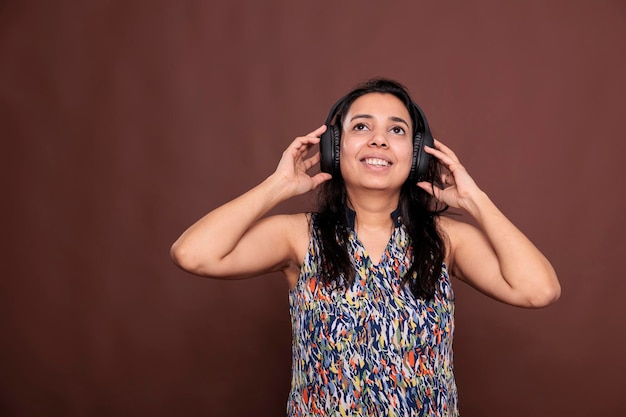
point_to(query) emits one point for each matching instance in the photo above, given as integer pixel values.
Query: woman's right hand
(231, 240)
(294, 164)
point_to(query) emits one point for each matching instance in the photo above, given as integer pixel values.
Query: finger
(445, 155)
(320, 178)
(441, 156)
(426, 186)
(429, 188)
(443, 148)
(302, 144)
(434, 191)
(440, 145)
(447, 179)
(310, 162)
(317, 132)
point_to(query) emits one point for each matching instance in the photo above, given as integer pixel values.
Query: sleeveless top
(372, 349)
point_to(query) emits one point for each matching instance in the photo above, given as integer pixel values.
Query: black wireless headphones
(330, 149)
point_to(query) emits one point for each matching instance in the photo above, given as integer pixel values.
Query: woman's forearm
(216, 234)
(522, 265)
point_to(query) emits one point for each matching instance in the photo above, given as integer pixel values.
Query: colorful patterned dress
(373, 349)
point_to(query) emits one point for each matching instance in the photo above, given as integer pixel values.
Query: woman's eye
(360, 126)
(397, 130)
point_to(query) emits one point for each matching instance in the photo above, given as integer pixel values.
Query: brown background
(124, 121)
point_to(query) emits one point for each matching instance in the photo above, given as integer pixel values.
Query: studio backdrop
(123, 122)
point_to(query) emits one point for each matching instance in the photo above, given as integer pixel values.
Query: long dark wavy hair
(417, 209)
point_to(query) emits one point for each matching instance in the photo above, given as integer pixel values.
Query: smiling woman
(376, 145)
(371, 300)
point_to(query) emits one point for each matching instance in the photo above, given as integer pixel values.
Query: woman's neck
(373, 209)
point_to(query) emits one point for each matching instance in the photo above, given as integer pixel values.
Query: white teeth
(377, 162)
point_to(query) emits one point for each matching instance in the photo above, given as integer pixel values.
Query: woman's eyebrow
(399, 120)
(361, 116)
(369, 116)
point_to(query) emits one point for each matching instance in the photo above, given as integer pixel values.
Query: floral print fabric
(372, 349)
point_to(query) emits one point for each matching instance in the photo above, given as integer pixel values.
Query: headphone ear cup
(326, 151)
(336, 139)
(415, 165)
(421, 159)
(329, 150)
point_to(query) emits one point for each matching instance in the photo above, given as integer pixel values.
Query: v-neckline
(397, 221)
(366, 254)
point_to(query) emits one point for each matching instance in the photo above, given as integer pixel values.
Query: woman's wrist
(277, 187)
(478, 204)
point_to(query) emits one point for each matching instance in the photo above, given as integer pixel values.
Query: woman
(370, 295)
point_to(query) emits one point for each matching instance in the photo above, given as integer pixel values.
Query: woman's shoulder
(454, 229)
(295, 223)
(448, 222)
(297, 229)
(293, 229)
(445, 222)
(458, 234)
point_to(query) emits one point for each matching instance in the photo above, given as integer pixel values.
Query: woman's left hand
(511, 268)
(458, 185)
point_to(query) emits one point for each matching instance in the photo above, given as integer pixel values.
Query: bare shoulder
(296, 225)
(455, 228)
(293, 228)
(451, 226)
(298, 231)
(455, 232)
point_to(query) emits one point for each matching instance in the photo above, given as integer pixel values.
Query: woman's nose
(379, 139)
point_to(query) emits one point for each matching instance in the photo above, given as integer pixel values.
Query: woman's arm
(497, 259)
(233, 241)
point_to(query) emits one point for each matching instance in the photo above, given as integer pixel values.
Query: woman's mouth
(377, 162)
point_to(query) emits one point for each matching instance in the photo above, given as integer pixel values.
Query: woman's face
(376, 142)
